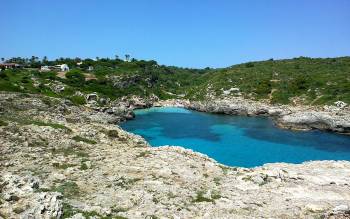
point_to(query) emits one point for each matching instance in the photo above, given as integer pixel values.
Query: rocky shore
(58, 160)
(329, 118)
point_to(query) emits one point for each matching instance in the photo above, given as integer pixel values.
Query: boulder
(340, 104)
(92, 97)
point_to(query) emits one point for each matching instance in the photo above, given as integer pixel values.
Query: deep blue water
(236, 140)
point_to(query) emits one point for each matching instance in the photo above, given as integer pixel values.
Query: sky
(187, 33)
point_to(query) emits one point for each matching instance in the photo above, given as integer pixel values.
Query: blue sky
(189, 33)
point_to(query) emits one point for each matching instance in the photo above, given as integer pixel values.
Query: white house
(45, 68)
(62, 67)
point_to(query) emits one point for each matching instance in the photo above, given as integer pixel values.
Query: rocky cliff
(58, 160)
(328, 118)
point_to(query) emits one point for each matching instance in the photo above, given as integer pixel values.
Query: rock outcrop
(328, 118)
(64, 161)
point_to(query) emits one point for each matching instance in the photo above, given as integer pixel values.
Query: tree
(127, 57)
(32, 59)
(77, 59)
(45, 60)
(2, 59)
(75, 77)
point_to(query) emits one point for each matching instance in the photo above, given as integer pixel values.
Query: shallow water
(236, 140)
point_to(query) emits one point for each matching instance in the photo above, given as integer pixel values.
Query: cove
(236, 140)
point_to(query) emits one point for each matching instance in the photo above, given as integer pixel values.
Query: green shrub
(3, 123)
(68, 189)
(3, 75)
(75, 77)
(77, 100)
(113, 133)
(67, 151)
(249, 65)
(200, 197)
(79, 138)
(53, 125)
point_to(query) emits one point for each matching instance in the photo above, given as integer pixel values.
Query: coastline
(47, 171)
(303, 118)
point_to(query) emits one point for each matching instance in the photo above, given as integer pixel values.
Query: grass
(126, 183)
(52, 125)
(143, 154)
(63, 166)
(3, 123)
(39, 143)
(200, 196)
(69, 189)
(217, 181)
(24, 121)
(49, 101)
(224, 169)
(67, 151)
(69, 211)
(82, 139)
(77, 100)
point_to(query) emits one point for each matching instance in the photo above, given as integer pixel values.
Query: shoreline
(59, 159)
(299, 118)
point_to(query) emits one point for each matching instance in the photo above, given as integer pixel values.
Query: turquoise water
(236, 140)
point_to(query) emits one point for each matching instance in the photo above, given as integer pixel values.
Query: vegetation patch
(217, 181)
(63, 166)
(126, 183)
(24, 121)
(143, 154)
(224, 169)
(77, 100)
(42, 143)
(68, 189)
(200, 196)
(67, 151)
(113, 133)
(52, 125)
(82, 139)
(49, 101)
(316, 80)
(83, 166)
(3, 123)
(69, 211)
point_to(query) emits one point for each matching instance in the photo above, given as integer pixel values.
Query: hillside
(300, 81)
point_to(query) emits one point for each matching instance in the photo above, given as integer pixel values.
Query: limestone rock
(98, 169)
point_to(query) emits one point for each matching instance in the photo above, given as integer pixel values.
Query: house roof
(9, 64)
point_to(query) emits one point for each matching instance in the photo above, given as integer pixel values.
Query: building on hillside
(45, 68)
(90, 68)
(9, 65)
(62, 67)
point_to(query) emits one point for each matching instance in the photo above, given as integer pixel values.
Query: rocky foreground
(63, 161)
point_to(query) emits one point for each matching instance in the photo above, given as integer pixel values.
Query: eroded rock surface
(64, 161)
(331, 118)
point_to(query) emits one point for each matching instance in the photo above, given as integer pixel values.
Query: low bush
(79, 138)
(77, 100)
(3, 123)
